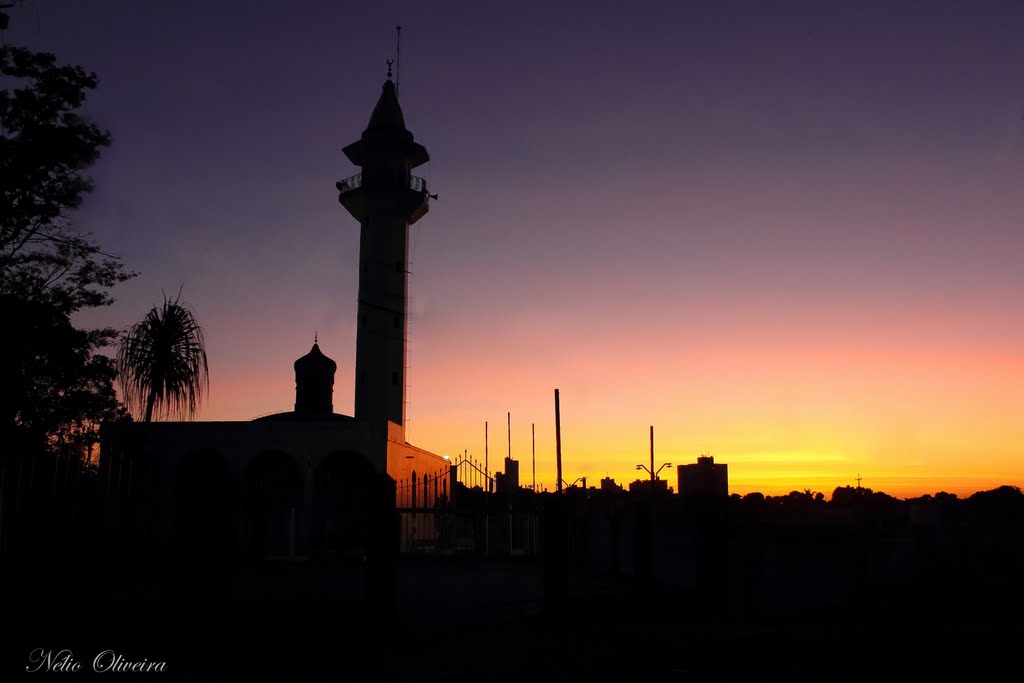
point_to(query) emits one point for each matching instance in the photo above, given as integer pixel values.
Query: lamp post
(650, 470)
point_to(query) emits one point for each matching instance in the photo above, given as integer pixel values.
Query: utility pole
(558, 445)
(533, 448)
(487, 476)
(652, 455)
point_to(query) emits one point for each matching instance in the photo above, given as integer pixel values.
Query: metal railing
(350, 183)
(354, 182)
(425, 491)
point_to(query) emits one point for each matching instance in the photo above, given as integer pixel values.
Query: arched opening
(273, 492)
(203, 528)
(342, 499)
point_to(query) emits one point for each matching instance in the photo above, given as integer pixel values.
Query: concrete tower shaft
(386, 199)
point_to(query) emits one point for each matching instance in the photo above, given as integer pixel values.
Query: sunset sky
(787, 234)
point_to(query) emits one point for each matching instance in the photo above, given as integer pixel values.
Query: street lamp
(650, 470)
(654, 475)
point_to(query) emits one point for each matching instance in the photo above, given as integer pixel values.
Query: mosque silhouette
(310, 482)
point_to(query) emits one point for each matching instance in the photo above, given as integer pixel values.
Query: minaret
(386, 199)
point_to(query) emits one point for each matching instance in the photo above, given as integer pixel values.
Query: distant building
(704, 478)
(512, 473)
(608, 485)
(642, 485)
(509, 480)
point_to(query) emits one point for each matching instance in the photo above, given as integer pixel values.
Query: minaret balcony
(355, 182)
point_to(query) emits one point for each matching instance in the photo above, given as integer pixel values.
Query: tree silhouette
(161, 362)
(54, 387)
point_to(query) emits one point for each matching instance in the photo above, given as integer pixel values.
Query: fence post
(382, 550)
(556, 569)
(643, 549)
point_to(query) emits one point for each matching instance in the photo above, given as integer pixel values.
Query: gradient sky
(787, 234)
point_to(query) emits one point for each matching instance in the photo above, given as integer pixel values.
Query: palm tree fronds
(161, 363)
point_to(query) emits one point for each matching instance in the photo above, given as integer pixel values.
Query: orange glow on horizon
(911, 411)
(909, 423)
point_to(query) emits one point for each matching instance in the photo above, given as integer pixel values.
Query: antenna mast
(398, 58)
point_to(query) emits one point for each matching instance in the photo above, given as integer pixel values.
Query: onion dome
(314, 383)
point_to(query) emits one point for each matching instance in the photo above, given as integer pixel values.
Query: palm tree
(161, 362)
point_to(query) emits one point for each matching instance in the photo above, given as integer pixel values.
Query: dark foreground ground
(470, 620)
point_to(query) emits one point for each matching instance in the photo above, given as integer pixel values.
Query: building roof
(386, 133)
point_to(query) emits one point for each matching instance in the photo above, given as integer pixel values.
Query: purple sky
(619, 182)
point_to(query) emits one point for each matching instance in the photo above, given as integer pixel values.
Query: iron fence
(503, 534)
